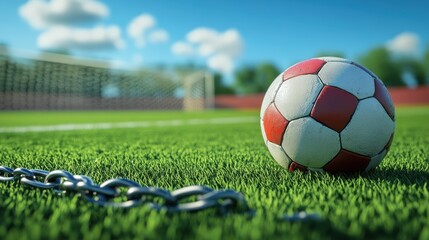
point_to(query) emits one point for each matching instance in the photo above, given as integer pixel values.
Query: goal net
(51, 81)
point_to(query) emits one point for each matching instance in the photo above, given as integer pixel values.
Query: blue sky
(233, 32)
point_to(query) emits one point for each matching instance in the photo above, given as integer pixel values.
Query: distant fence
(49, 81)
(407, 96)
(400, 97)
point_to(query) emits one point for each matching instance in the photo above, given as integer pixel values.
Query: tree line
(392, 69)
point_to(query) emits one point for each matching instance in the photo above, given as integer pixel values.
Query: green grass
(390, 202)
(41, 118)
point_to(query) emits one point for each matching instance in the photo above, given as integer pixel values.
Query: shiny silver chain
(125, 193)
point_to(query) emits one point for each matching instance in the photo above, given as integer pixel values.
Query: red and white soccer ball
(328, 114)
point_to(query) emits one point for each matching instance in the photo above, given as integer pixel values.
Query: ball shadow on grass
(402, 176)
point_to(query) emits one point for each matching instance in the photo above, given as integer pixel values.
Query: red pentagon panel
(334, 107)
(346, 161)
(274, 124)
(382, 95)
(311, 66)
(296, 166)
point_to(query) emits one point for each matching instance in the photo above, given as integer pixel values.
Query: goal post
(198, 91)
(50, 81)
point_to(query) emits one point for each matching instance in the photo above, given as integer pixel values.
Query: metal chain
(125, 193)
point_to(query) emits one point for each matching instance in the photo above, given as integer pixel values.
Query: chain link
(125, 193)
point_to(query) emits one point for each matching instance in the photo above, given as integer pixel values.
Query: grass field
(390, 202)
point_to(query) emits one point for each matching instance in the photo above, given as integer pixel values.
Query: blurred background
(194, 55)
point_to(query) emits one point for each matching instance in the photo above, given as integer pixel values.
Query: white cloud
(117, 63)
(158, 36)
(201, 35)
(221, 62)
(405, 43)
(220, 49)
(182, 49)
(139, 26)
(142, 29)
(41, 14)
(82, 39)
(59, 19)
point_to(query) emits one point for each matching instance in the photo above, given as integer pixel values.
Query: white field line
(146, 124)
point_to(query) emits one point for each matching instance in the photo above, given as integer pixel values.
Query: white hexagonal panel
(264, 135)
(367, 70)
(271, 93)
(310, 143)
(334, 59)
(348, 77)
(375, 161)
(278, 154)
(296, 96)
(369, 130)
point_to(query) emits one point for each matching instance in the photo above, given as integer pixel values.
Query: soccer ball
(327, 114)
